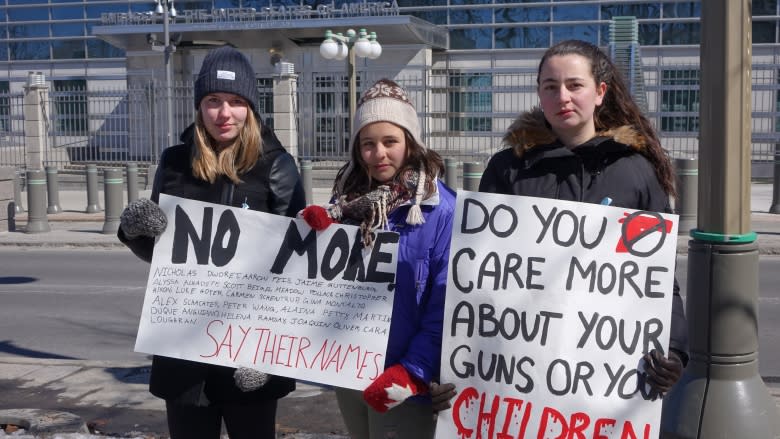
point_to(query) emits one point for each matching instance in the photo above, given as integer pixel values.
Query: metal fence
(464, 115)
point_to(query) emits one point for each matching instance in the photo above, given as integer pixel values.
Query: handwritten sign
(236, 287)
(550, 307)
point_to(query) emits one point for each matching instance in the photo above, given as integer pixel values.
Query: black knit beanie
(226, 70)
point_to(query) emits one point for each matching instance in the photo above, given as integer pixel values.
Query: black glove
(142, 217)
(441, 394)
(662, 372)
(249, 379)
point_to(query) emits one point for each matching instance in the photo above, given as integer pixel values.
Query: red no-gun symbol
(639, 226)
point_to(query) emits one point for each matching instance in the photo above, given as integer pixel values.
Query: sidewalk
(73, 399)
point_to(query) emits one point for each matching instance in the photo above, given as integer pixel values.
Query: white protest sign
(237, 287)
(550, 307)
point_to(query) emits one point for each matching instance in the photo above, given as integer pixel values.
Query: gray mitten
(142, 217)
(249, 379)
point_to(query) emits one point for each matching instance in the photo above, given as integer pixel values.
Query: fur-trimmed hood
(531, 129)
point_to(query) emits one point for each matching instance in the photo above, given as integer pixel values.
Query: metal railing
(464, 115)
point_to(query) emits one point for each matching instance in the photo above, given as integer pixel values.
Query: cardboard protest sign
(550, 307)
(237, 287)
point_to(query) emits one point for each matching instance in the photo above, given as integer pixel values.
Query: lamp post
(168, 11)
(339, 46)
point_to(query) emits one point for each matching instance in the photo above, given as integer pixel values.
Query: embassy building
(470, 66)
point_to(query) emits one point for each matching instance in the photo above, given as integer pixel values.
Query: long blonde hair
(231, 161)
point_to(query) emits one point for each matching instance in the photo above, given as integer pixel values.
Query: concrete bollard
(686, 204)
(53, 190)
(113, 199)
(151, 171)
(306, 180)
(37, 222)
(18, 207)
(451, 172)
(472, 173)
(132, 182)
(93, 194)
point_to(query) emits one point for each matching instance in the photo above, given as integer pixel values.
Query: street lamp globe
(376, 48)
(363, 45)
(329, 48)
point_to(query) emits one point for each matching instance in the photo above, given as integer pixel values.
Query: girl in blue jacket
(391, 182)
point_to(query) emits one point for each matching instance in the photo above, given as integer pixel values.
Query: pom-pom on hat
(226, 70)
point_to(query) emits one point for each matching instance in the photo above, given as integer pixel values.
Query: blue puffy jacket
(421, 280)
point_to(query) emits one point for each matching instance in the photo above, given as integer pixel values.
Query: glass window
(28, 30)
(435, 17)
(470, 2)
(680, 97)
(680, 33)
(586, 32)
(3, 51)
(28, 50)
(522, 37)
(649, 34)
(5, 107)
(764, 32)
(100, 49)
(575, 13)
(70, 106)
(471, 39)
(652, 10)
(470, 16)
(68, 49)
(764, 7)
(522, 15)
(682, 10)
(265, 100)
(67, 13)
(469, 94)
(67, 29)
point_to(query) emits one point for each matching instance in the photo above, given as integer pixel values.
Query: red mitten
(392, 388)
(316, 217)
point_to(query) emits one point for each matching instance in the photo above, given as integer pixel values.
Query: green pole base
(720, 238)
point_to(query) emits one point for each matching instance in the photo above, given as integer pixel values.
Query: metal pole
(53, 190)
(132, 182)
(352, 88)
(775, 207)
(721, 394)
(306, 179)
(451, 172)
(168, 74)
(37, 222)
(112, 192)
(472, 173)
(18, 208)
(93, 195)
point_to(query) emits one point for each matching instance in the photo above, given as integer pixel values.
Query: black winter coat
(273, 185)
(611, 165)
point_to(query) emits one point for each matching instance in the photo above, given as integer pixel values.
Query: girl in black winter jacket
(589, 142)
(227, 157)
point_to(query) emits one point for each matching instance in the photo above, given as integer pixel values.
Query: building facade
(470, 65)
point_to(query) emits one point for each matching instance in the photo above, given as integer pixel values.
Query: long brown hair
(618, 107)
(359, 181)
(231, 161)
